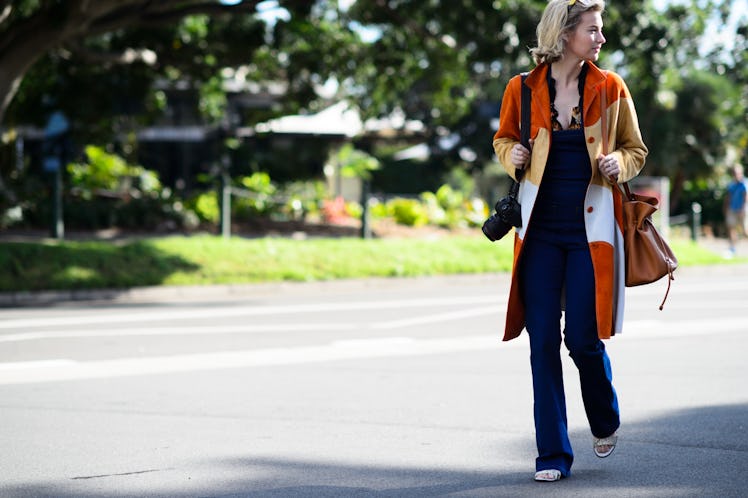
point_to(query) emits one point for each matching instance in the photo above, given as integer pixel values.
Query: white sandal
(609, 443)
(549, 475)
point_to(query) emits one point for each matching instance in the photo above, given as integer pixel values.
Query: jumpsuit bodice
(560, 202)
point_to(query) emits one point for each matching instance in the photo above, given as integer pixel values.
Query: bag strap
(604, 117)
(604, 125)
(629, 195)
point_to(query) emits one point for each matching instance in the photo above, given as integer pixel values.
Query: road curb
(135, 294)
(230, 291)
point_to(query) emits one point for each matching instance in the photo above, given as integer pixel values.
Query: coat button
(590, 209)
(591, 139)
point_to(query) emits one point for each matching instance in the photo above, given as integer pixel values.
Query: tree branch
(55, 23)
(127, 56)
(153, 14)
(5, 12)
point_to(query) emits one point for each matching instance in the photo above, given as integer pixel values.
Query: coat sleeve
(509, 122)
(629, 146)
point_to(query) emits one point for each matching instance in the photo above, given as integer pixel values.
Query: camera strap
(524, 131)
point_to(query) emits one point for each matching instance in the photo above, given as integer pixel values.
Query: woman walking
(568, 254)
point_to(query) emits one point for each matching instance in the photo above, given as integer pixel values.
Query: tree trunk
(15, 63)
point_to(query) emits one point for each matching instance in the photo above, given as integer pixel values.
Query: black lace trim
(576, 113)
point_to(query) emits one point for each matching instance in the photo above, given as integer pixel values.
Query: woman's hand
(520, 155)
(609, 167)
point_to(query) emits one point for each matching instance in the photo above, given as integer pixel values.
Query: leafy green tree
(444, 62)
(114, 66)
(447, 62)
(689, 98)
(97, 61)
(83, 30)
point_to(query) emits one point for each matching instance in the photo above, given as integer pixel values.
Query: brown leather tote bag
(648, 255)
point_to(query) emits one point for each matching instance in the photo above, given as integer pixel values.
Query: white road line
(708, 327)
(343, 350)
(438, 317)
(28, 365)
(238, 311)
(498, 300)
(53, 370)
(179, 331)
(246, 329)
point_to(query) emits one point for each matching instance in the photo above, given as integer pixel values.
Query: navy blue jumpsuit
(556, 273)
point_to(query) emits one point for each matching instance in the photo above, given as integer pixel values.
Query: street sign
(56, 125)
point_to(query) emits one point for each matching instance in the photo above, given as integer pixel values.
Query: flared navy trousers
(557, 278)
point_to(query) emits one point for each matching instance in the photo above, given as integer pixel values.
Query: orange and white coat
(602, 206)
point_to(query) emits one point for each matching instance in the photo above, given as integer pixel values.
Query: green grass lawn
(205, 260)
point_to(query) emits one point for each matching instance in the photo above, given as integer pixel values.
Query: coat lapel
(595, 78)
(541, 101)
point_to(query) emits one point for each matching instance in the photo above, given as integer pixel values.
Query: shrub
(408, 212)
(450, 208)
(257, 199)
(103, 171)
(205, 206)
(105, 191)
(301, 199)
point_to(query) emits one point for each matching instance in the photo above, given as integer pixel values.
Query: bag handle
(629, 195)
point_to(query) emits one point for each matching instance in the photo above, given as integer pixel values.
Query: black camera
(508, 214)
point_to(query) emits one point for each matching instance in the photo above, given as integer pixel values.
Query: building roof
(340, 120)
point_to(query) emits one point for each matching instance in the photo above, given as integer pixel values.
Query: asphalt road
(356, 389)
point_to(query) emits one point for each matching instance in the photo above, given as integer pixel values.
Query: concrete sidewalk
(721, 246)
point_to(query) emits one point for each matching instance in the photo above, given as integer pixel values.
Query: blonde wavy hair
(559, 18)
